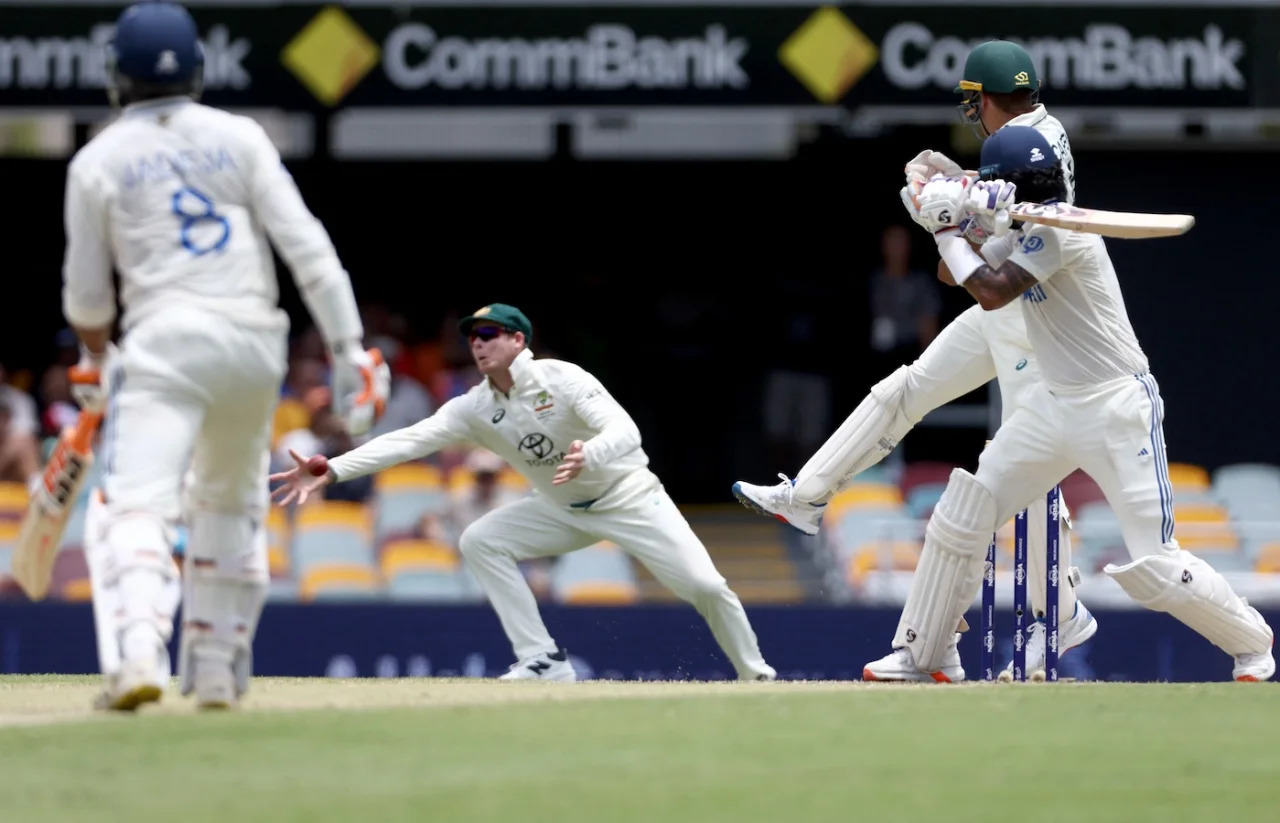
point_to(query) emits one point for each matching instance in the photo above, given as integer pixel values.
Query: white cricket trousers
(1113, 432)
(192, 389)
(968, 353)
(643, 521)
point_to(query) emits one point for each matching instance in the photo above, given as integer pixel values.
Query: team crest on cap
(1021, 79)
(480, 312)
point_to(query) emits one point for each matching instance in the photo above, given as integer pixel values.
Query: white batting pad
(225, 588)
(865, 438)
(1188, 588)
(949, 571)
(107, 606)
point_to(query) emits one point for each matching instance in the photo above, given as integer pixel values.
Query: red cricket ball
(318, 465)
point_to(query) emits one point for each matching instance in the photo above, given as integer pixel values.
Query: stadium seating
(597, 575)
(1189, 478)
(404, 494)
(344, 550)
(339, 581)
(894, 555)
(1267, 558)
(1203, 527)
(924, 471)
(331, 531)
(13, 501)
(922, 498)
(279, 557)
(1250, 491)
(861, 496)
(70, 574)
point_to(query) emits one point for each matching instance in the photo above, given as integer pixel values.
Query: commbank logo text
(332, 54)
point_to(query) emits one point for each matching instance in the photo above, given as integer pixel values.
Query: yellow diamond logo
(331, 55)
(828, 54)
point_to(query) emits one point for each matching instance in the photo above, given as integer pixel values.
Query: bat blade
(1121, 224)
(50, 506)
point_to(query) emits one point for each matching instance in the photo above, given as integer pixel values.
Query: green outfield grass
(377, 751)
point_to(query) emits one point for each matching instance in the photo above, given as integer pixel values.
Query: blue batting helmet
(1013, 149)
(156, 43)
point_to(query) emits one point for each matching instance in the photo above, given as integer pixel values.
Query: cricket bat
(50, 505)
(1123, 224)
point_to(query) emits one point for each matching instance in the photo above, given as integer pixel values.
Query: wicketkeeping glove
(361, 385)
(929, 162)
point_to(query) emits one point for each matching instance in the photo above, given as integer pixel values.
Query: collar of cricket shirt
(522, 372)
(1030, 118)
(156, 103)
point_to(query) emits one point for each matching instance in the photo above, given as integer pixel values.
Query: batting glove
(88, 379)
(361, 385)
(988, 202)
(941, 203)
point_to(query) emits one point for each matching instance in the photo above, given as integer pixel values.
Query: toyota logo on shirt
(540, 449)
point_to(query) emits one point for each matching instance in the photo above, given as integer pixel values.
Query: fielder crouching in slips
(580, 450)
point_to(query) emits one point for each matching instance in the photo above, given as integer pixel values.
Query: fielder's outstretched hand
(298, 483)
(574, 462)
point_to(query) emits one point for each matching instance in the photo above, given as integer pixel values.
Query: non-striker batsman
(181, 199)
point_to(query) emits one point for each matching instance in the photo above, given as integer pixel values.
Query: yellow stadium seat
(325, 578)
(278, 527)
(330, 513)
(461, 482)
(1268, 561)
(600, 593)
(409, 476)
(864, 495)
(509, 478)
(902, 555)
(13, 497)
(278, 560)
(78, 590)
(417, 555)
(1188, 477)
(1204, 526)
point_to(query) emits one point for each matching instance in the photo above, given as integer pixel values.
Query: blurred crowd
(427, 371)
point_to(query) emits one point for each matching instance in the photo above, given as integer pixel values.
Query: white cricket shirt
(551, 404)
(181, 198)
(1075, 316)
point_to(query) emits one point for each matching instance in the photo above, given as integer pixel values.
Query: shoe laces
(785, 490)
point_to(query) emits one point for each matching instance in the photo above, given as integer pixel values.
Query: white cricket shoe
(1254, 667)
(139, 681)
(213, 678)
(1071, 633)
(779, 502)
(553, 667)
(899, 666)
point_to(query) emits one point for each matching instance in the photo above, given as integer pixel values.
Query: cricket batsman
(1098, 408)
(181, 199)
(1001, 88)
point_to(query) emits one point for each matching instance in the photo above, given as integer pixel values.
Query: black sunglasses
(486, 332)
